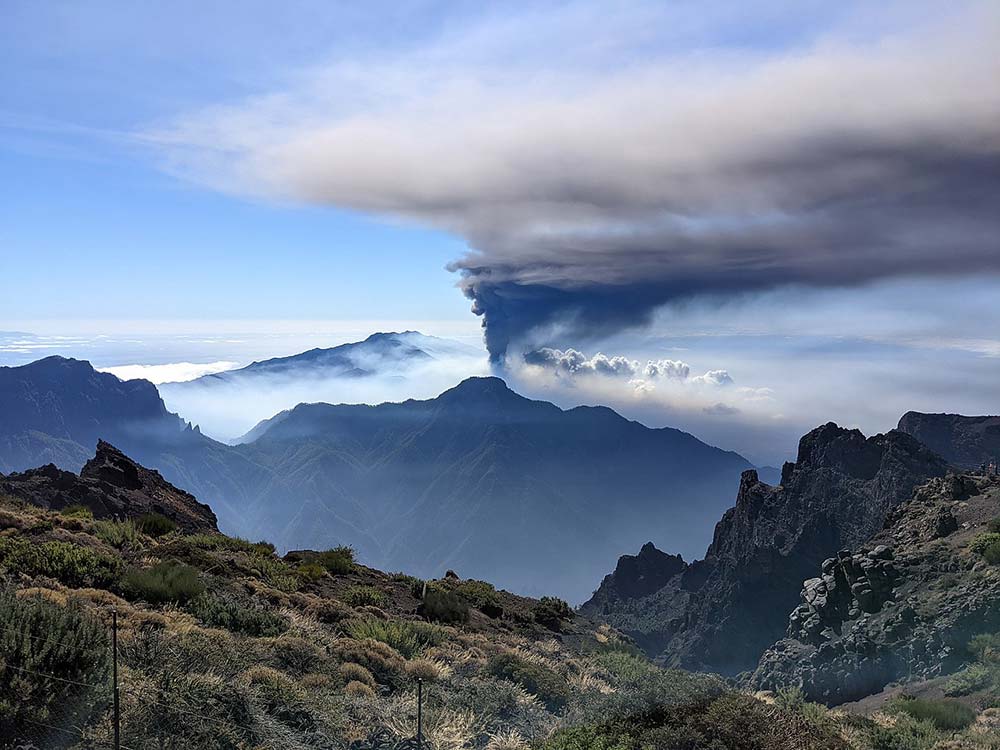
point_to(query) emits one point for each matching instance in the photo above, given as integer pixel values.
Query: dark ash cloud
(590, 197)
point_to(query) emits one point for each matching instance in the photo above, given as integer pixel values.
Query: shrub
(992, 554)
(364, 596)
(946, 715)
(77, 511)
(383, 661)
(311, 572)
(359, 690)
(39, 637)
(549, 687)
(225, 612)
(427, 670)
(444, 606)
(118, 534)
(337, 560)
(985, 647)
(994, 525)
(282, 698)
(408, 638)
(296, 655)
(482, 596)
(72, 564)
(969, 680)
(164, 582)
(550, 611)
(155, 524)
(981, 543)
(351, 672)
(329, 611)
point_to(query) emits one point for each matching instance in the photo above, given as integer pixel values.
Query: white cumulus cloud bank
(639, 374)
(172, 372)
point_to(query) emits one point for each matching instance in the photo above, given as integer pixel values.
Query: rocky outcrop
(900, 608)
(111, 485)
(722, 612)
(966, 442)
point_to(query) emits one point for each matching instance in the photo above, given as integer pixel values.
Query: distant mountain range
(478, 479)
(378, 355)
(228, 404)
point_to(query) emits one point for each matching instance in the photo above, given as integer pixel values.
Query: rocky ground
(902, 607)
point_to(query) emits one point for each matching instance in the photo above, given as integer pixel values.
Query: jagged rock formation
(900, 608)
(111, 485)
(966, 442)
(722, 612)
(635, 580)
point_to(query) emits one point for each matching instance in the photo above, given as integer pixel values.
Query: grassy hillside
(222, 644)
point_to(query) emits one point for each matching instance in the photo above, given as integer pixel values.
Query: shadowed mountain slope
(486, 481)
(478, 479)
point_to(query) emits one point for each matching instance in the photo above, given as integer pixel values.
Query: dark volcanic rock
(111, 485)
(966, 442)
(901, 608)
(722, 612)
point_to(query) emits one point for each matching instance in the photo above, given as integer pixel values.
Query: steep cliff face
(722, 612)
(966, 442)
(111, 485)
(902, 606)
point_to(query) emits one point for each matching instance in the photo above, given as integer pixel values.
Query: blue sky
(799, 194)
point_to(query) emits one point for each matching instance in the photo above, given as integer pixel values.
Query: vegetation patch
(155, 525)
(444, 606)
(551, 611)
(364, 596)
(50, 653)
(548, 686)
(71, 564)
(408, 638)
(337, 560)
(165, 582)
(946, 715)
(219, 611)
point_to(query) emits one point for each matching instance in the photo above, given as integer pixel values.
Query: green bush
(219, 611)
(155, 524)
(118, 534)
(408, 638)
(310, 572)
(551, 611)
(77, 511)
(969, 680)
(71, 564)
(992, 554)
(946, 715)
(985, 647)
(482, 596)
(994, 525)
(981, 543)
(362, 596)
(444, 606)
(549, 687)
(230, 544)
(337, 560)
(47, 649)
(164, 582)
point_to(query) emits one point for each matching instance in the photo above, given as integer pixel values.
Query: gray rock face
(722, 612)
(894, 613)
(966, 442)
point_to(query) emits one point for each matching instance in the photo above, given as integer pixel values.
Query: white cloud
(713, 377)
(172, 372)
